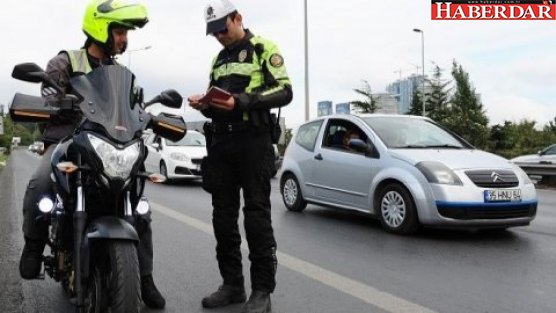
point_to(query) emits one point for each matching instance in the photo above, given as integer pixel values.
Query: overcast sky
(512, 64)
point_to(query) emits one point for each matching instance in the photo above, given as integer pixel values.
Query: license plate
(502, 195)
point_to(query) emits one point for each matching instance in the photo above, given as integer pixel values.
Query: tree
(437, 100)
(551, 127)
(467, 116)
(369, 105)
(416, 103)
(288, 134)
(12, 129)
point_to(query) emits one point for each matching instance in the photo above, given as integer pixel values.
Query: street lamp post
(134, 50)
(417, 30)
(306, 64)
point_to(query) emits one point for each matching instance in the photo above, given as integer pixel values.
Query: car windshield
(412, 133)
(191, 139)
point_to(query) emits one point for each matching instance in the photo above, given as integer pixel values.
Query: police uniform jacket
(253, 71)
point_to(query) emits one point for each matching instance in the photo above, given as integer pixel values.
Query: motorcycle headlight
(116, 162)
(179, 156)
(438, 173)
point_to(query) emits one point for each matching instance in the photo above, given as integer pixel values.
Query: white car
(176, 160)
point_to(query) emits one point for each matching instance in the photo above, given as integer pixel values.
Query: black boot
(150, 294)
(31, 258)
(225, 295)
(259, 302)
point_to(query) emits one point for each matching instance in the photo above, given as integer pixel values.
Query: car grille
(487, 212)
(185, 171)
(493, 178)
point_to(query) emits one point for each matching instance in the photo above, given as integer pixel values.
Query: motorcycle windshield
(107, 96)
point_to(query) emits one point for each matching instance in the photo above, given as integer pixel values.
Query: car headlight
(116, 162)
(179, 156)
(438, 173)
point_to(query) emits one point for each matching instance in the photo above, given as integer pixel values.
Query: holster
(207, 174)
(275, 129)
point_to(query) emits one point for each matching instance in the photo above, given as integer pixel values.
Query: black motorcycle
(98, 182)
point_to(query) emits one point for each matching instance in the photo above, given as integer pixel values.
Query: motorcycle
(98, 182)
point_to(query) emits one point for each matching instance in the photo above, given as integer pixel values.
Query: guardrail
(542, 169)
(547, 171)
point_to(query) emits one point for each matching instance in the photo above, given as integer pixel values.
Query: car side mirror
(156, 146)
(362, 147)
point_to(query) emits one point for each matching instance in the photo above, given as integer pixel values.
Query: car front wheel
(397, 212)
(291, 194)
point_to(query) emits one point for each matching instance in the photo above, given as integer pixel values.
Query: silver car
(405, 170)
(545, 156)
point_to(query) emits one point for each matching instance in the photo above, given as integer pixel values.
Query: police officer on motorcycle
(241, 155)
(105, 24)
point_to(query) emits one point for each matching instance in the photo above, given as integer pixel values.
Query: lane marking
(368, 294)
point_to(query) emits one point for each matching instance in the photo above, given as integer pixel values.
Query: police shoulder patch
(276, 60)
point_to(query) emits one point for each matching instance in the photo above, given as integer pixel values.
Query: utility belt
(228, 127)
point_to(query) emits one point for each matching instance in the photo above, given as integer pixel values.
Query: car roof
(367, 115)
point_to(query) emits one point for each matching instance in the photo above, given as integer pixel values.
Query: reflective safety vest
(79, 61)
(255, 69)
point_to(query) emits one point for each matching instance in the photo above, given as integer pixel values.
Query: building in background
(343, 108)
(403, 90)
(387, 103)
(324, 108)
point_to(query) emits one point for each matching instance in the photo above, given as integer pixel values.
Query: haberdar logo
(494, 10)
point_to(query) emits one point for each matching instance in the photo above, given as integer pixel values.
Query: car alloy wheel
(291, 194)
(397, 211)
(393, 209)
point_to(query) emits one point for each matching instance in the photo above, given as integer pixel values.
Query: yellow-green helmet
(101, 14)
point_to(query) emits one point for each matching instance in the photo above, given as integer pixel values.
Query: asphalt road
(330, 261)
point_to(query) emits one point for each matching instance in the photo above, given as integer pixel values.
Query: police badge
(242, 55)
(276, 60)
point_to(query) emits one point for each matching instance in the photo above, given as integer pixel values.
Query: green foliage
(416, 107)
(26, 131)
(466, 115)
(288, 134)
(369, 105)
(437, 99)
(514, 139)
(460, 110)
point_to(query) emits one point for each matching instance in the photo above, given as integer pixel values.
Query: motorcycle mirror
(31, 72)
(169, 98)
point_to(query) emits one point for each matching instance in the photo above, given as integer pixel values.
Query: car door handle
(318, 157)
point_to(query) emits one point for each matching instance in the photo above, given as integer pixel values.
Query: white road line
(368, 294)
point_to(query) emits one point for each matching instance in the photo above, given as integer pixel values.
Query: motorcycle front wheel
(114, 284)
